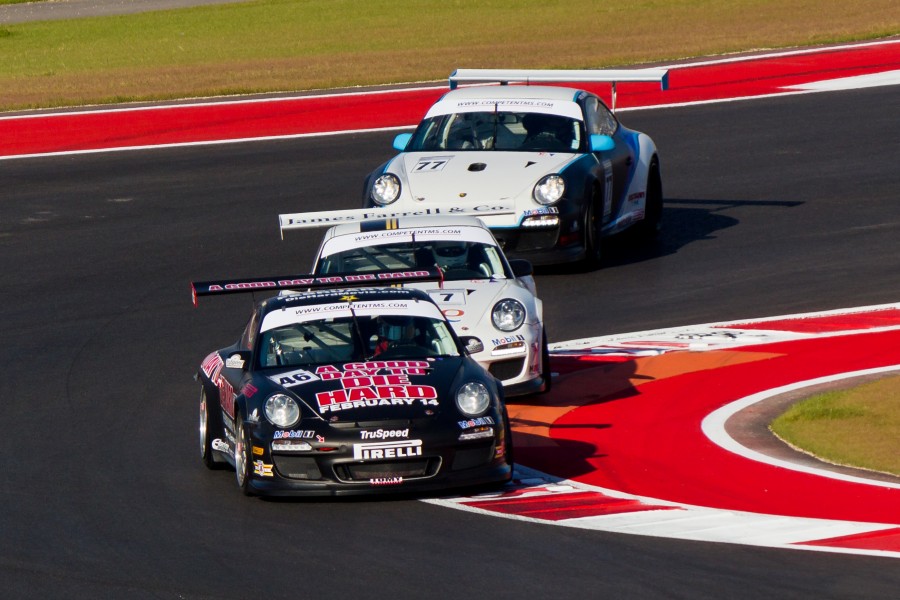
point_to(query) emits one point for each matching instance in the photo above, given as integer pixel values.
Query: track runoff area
(662, 445)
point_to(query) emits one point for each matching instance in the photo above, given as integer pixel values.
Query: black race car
(349, 391)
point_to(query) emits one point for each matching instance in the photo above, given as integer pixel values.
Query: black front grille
(473, 457)
(507, 369)
(378, 470)
(524, 240)
(296, 467)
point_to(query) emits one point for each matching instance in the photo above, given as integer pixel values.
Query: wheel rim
(240, 453)
(204, 425)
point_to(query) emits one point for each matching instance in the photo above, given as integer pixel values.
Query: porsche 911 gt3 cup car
(490, 302)
(575, 174)
(349, 391)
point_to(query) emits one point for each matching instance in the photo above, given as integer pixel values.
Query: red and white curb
(544, 498)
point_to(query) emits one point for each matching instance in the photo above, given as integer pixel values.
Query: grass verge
(854, 427)
(278, 45)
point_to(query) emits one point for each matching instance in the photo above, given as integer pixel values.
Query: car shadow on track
(684, 221)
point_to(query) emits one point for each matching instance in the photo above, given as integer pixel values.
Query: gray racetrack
(775, 206)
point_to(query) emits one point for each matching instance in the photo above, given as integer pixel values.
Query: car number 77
(431, 165)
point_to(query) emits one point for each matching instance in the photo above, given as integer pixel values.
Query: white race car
(489, 301)
(574, 173)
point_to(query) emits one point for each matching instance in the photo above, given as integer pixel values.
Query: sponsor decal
(212, 365)
(375, 383)
(258, 450)
(249, 390)
(294, 434)
(383, 434)
(262, 469)
(636, 197)
(383, 450)
(508, 340)
(220, 445)
(479, 422)
(234, 362)
(292, 378)
(544, 210)
(386, 481)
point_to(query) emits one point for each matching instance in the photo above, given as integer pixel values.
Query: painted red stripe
(293, 116)
(886, 540)
(830, 323)
(558, 507)
(648, 441)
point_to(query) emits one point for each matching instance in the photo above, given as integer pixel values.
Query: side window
(599, 118)
(249, 336)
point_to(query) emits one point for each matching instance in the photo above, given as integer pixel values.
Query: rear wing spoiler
(310, 281)
(528, 76)
(330, 218)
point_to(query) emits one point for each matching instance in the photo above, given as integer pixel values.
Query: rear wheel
(593, 223)
(242, 455)
(546, 373)
(650, 227)
(208, 429)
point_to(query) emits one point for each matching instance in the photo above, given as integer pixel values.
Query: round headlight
(508, 315)
(386, 189)
(282, 411)
(549, 189)
(473, 399)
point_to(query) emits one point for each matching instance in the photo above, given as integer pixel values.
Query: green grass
(277, 45)
(859, 426)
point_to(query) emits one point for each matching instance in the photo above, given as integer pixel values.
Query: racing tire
(510, 449)
(648, 229)
(242, 456)
(209, 426)
(546, 373)
(593, 223)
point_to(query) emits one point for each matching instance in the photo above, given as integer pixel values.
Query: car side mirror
(601, 143)
(401, 141)
(239, 359)
(521, 267)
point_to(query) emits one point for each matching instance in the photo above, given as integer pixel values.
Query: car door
(614, 165)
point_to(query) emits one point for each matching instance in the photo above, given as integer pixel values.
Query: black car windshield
(355, 338)
(457, 259)
(503, 131)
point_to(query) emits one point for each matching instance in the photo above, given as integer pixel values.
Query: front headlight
(473, 399)
(508, 315)
(549, 189)
(386, 189)
(282, 411)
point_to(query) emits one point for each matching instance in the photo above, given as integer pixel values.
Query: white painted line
(713, 427)
(851, 83)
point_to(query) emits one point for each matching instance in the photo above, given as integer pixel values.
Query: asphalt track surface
(776, 206)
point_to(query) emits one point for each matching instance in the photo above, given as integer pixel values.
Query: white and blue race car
(574, 173)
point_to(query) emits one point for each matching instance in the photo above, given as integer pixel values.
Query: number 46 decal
(432, 164)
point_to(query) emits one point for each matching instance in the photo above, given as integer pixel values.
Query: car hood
(476, 176)
(374, 390)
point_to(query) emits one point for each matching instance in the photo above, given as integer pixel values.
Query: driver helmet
(451, 255)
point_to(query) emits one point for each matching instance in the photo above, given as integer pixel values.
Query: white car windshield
(502, 131)
(457, 259)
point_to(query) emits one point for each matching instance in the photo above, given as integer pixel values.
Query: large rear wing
(310, 281)
(330, 218)
(528, 76)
